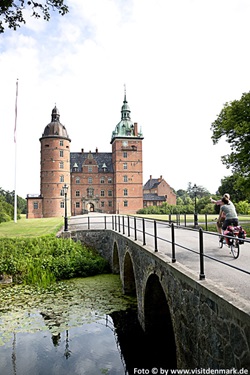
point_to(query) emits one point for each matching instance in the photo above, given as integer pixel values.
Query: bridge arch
(158, 320)
(129, 286)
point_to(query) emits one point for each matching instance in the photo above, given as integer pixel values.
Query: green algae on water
(62, 305)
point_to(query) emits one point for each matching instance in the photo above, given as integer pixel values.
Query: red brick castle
(108, 182)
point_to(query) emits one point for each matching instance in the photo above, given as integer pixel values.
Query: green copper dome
(125, 128)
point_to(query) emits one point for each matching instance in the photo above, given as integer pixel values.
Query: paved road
(222, 275)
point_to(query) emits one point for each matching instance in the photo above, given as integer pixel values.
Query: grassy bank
(42, 260)
(31, 227)
(30, 253)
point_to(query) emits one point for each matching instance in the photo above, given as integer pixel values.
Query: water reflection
(82, 327)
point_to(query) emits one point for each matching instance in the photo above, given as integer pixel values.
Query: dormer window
(104, 167)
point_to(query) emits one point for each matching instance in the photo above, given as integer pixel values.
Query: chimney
(150, 177)
(135, 129)
(96, 150)
(82, 150)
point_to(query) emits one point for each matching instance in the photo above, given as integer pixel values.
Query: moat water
(77, 327)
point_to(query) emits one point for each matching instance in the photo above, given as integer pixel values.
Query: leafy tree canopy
(236, 186)
(233, 122)
(11, 11)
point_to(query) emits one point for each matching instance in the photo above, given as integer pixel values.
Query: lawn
(31, 227)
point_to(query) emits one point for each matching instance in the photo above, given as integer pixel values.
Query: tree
(233, 123)
(235, 186)
(11, 11)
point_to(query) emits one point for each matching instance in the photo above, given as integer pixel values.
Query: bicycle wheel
(235, 248)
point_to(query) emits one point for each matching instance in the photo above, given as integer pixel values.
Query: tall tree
(233, 123)
(12, 15)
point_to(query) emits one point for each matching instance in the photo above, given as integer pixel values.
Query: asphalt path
(220, 268)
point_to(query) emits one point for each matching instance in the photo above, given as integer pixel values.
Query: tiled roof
(100, 158)
(151, 183)
(153, 197)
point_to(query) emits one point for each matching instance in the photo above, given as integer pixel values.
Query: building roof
(102, 159)
(55, 128)
(153, 197)
(152, 183)
(125, 127)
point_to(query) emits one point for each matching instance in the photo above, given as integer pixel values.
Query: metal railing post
(115, 224)
(119, 224)
(88, 222)
(112, 222)
(202, 274)
(123, 226)
(155, 235)
(173, 243)
(206, 220)
(135, 228)
(128, 228)
(143, 231)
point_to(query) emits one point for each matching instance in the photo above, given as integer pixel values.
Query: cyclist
(222, 218)
(231, 218)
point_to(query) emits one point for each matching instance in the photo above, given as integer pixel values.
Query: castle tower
(126, 143)
(55, 167)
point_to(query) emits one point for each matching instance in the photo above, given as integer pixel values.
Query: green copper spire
(125, 128)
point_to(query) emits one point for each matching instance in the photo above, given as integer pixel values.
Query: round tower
(55, 167)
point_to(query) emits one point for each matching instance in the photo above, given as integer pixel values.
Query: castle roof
(55, 128)
(125, 127)
(102, 159)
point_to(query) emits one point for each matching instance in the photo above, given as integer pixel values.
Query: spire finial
(125, 93)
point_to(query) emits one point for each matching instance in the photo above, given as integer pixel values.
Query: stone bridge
(200, 324)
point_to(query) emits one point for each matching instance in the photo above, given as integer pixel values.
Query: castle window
(109, 180)
(35, 205)
(110, 193)
(77, 180)
(125, 166)
(90, 192)
(62, 204)
(90, 180)
(102, 204)
(77, 193)
(61, 153)
(125, 203)
(77, 204)
(61, 165)
(61, 193)
(102, 180)
(61, 178)
(125, 154)
(90, 168)
(125, 192)
(110, 203)
(102, 193)
(61, 143)
(125, 178)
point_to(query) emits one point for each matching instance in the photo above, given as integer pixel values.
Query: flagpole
(15, 195)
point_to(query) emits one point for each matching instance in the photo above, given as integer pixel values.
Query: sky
(181, 61)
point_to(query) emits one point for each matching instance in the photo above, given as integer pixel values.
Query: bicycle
(234, 236)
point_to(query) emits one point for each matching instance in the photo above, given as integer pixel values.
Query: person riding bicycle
(223, 216)
(230, 213)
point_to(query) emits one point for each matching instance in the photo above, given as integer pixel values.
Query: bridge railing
(153, 232)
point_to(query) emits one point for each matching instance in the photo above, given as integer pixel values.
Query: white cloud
(180, 60)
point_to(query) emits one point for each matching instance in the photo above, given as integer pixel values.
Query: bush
(43, 260)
